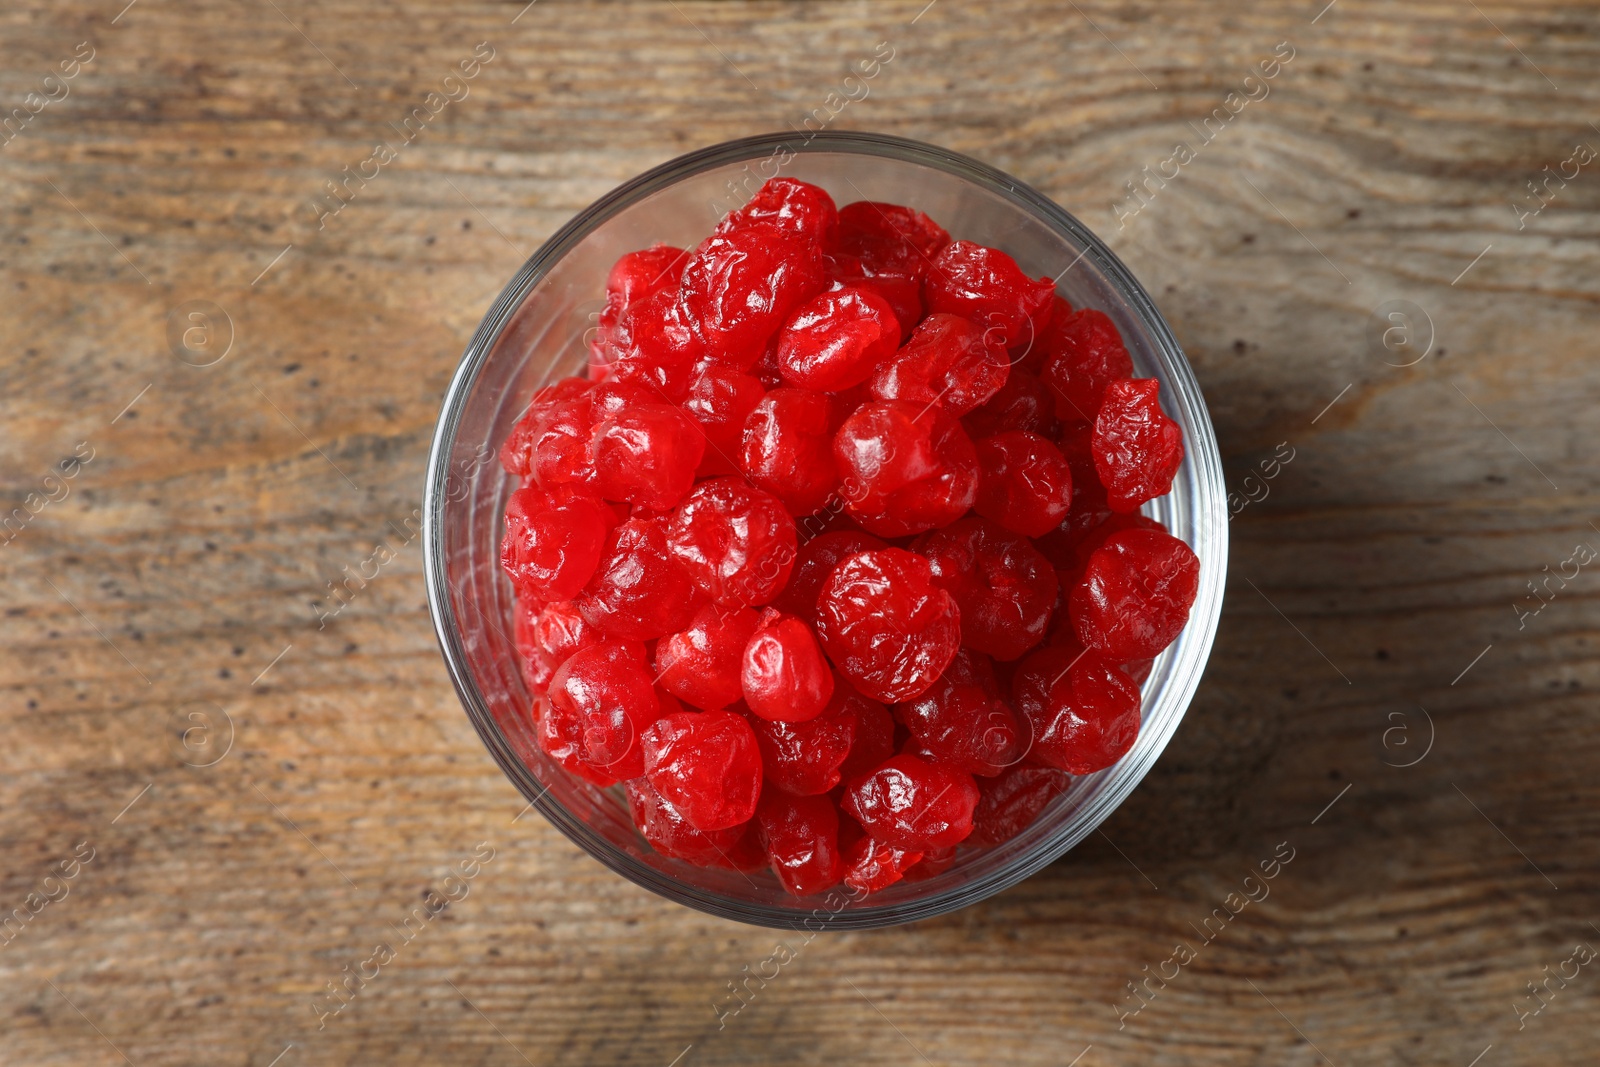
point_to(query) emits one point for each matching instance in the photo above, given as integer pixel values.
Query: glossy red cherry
(1135, 594)
(1137, 449)
(550, 443)
(802, 840)
(607, 689)
(837, 339)
(872, 865)
(1023, 403)
(793, 206)
(553, 541)
(788, 448)
(721, 398)
(950, 361)
(669, 833)
(1009, 804)
(901, 291)
(559, 732)
(905, 468)
(646, 454)
(652, 344)
(815, 561)
(701, 665)
(786, 678)
(888, 628)
(1084, 353)
(640, 274)
(804, 758)
(963, 722)
(1025, 483)
(707, 765)
(735, 541)
(911, 803)
(546, 637)
(986, 285)
(739, 287)
(638, 591)
(890, 239)
(1081, 712)
(1005, 588)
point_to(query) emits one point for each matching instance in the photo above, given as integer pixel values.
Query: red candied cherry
(547, 637)
(607, 689)
(872, 865)
(787, 448)
(1070, 553)
(651, 343)
(638, 591)
(792, 206)
(1137, 449)
(701, 665)
(721, 399)
(986, 285)
(804, 758)
(669, 833)
(786, 678)
(911, 803)
(1008, 804)
(813, 564)
(638, 275)
(888, 628)
(1082, 713)
(802, 840)
(902, 292)
(735, 541)
(905, 467)
(559, 731)
(1024, 484)
(739, 287)
(1023, 403)
(646, 454)
(889, 238)
(1135, 595)
(1005, 588)
(837, 340)
(707, 765)
(950, 361)
(550, 443)
(874, 738)
(1084, 353)
(553, 541)
(962, 721)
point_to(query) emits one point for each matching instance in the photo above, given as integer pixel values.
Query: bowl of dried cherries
(825, 532)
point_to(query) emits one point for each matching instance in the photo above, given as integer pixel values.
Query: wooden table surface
(210, 807)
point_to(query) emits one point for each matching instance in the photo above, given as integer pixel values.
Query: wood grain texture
(188, 554)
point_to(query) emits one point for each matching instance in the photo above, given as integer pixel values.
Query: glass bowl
(535, 333)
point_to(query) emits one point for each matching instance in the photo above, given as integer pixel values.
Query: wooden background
(180, 573)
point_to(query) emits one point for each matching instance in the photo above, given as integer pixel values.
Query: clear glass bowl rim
(1210, 508)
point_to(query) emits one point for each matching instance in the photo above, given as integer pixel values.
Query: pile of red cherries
(834, 560)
